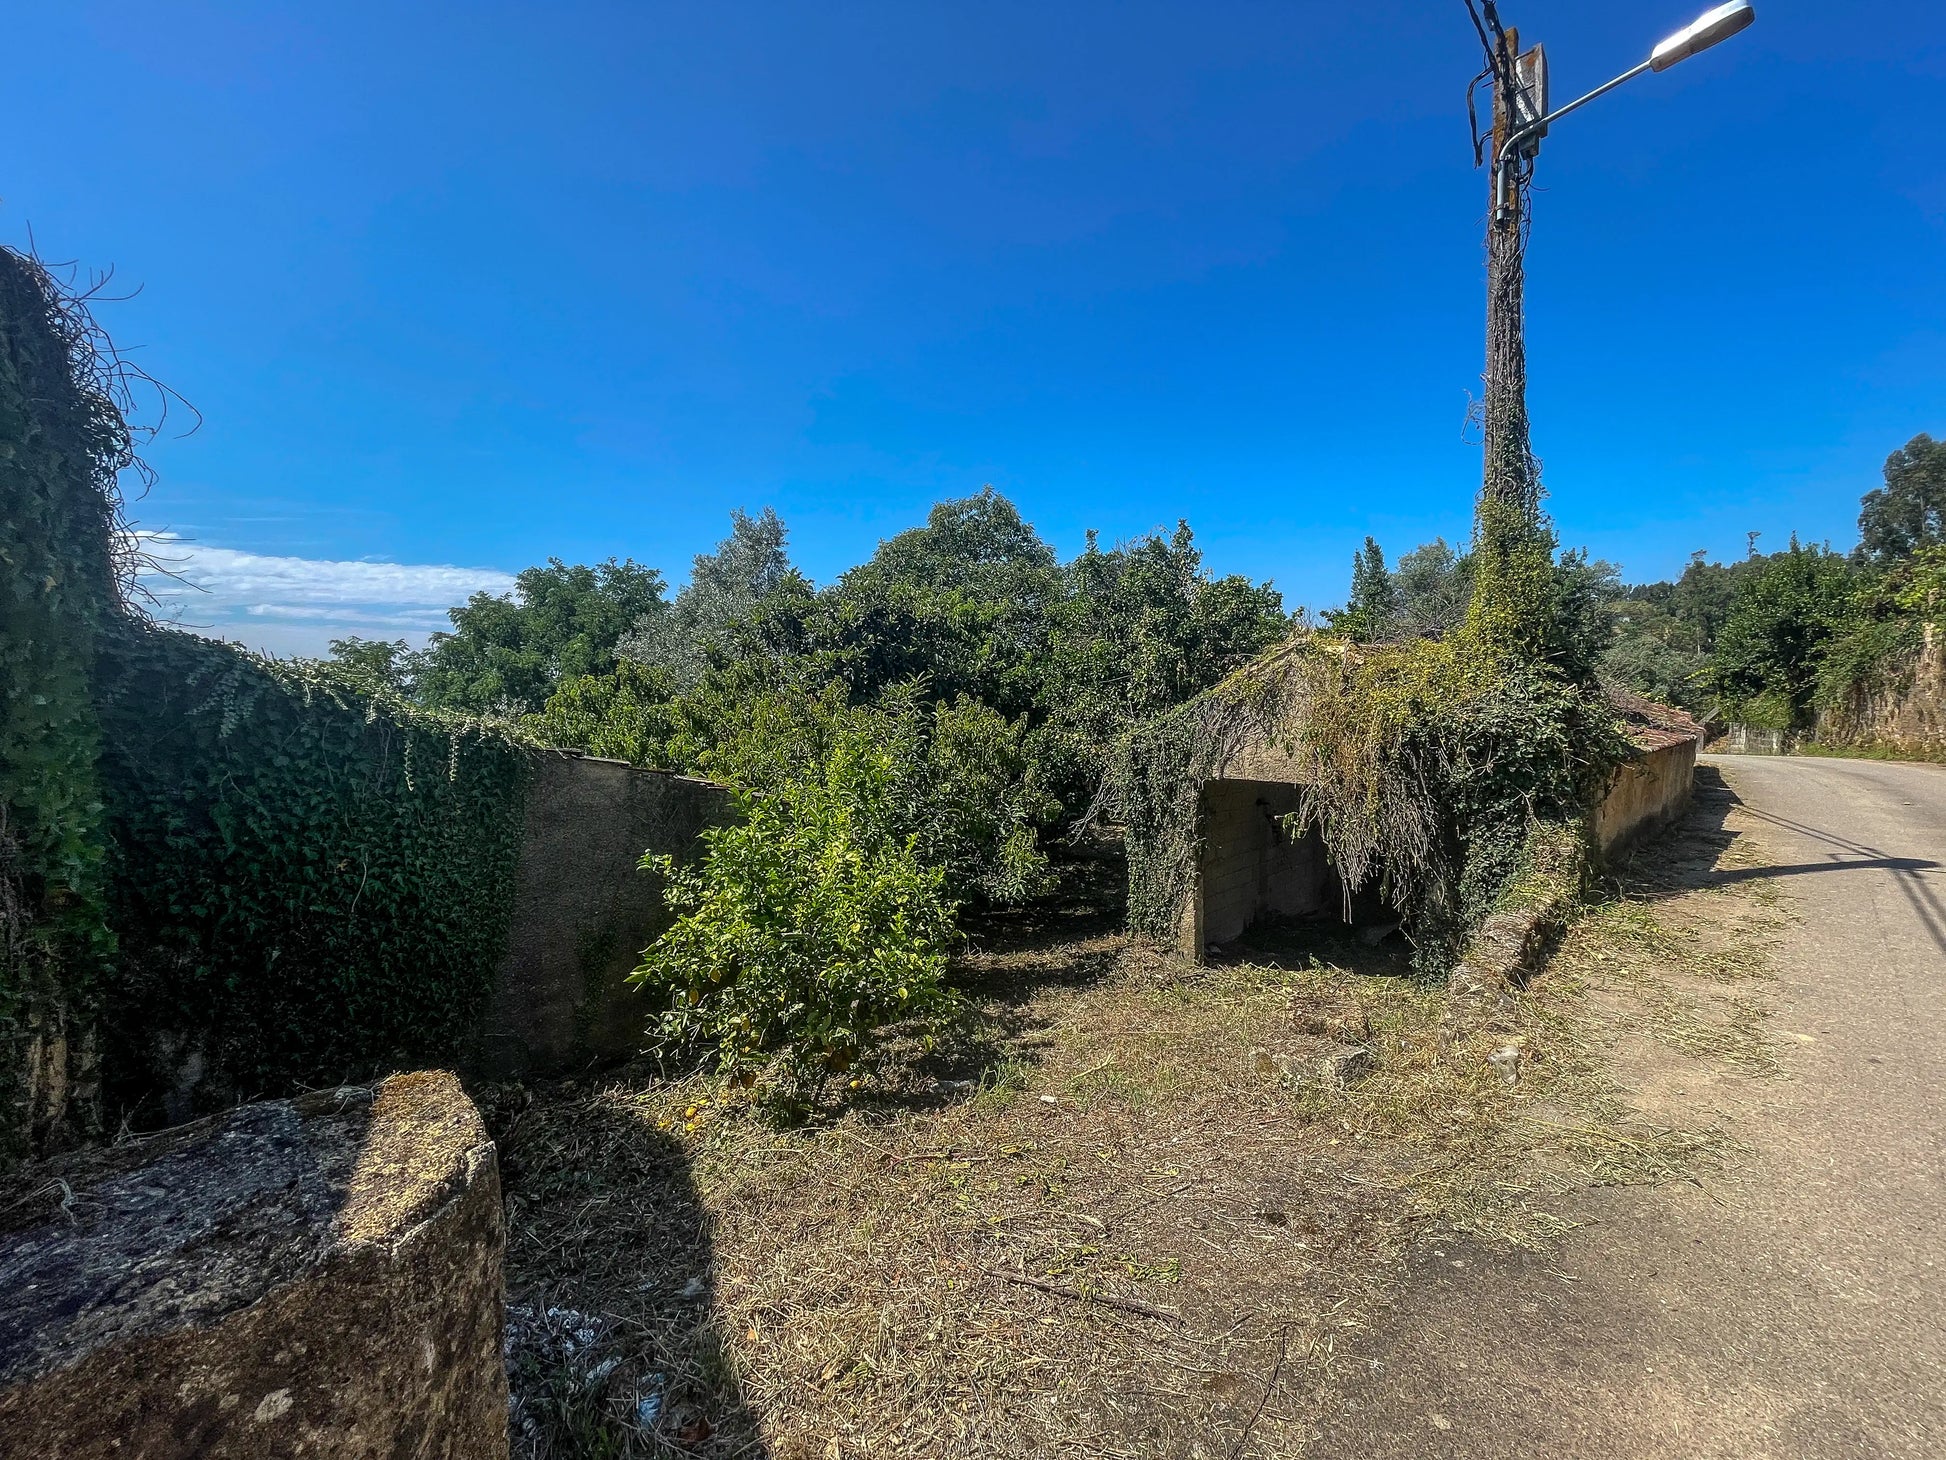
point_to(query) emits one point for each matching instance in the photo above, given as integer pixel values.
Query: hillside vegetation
(1772, 639)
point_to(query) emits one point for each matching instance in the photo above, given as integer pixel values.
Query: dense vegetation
(306, 883)
(909, 741)
(915, 738)
(65, 442)
(1782, 639)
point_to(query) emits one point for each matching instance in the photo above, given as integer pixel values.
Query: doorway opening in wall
(1266, 890)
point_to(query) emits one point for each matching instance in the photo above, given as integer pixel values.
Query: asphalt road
(1801, 1309)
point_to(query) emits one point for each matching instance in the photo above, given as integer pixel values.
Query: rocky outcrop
(310, 1277)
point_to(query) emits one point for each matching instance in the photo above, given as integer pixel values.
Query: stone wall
(1648, 791)
(310, 1277)
(583, 911)
(1909, 714)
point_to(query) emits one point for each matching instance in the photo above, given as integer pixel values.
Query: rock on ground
(309, 1277)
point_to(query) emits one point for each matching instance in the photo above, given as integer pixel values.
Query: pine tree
(1374, 601)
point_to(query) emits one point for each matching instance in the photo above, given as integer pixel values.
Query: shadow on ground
(1688, 855)
(613, 1346)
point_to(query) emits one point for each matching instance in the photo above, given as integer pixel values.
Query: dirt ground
(1129, 1208)
(1792, 1306)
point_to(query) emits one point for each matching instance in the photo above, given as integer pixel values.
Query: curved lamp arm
(1702, 33)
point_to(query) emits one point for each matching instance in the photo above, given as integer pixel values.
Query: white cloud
(298, 605)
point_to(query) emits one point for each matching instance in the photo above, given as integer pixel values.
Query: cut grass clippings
(1089, 1221)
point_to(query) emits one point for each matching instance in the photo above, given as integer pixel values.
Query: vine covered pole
(1510, 475)
(1512, 604)
(1513, 611)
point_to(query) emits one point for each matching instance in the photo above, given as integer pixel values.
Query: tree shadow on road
(1836, 852)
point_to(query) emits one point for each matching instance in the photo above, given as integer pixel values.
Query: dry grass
(1090, 1223)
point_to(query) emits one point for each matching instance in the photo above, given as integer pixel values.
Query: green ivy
(309, 883)
(62, 442)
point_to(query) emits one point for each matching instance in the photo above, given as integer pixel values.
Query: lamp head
(1705, 31)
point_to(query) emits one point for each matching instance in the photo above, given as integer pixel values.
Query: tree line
(1773, 639)
(911, 740)
(908, 741)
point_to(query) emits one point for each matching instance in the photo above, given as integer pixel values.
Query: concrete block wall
(583, 911)
(1754, 740)
(1248, 867)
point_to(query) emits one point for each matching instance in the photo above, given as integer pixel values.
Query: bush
(621, 716)
(1784, 613)
(806, 930)
(963, 781)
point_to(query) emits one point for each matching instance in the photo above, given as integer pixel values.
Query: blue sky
(467, 287)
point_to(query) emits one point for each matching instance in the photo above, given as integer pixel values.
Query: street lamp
(1702, 33)
(1510, 488)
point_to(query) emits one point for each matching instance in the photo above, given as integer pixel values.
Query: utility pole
(1510, 479)
(1508, 512)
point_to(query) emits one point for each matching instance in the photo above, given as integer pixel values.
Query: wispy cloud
(298, 605)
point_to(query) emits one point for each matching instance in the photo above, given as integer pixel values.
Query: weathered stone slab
(310, 1277)
(1315, 1064)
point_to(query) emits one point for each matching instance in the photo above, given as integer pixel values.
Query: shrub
(1783, 615)
(959, 780)
(622, 716)
(805, 931)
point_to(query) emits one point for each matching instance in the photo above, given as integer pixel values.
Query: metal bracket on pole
(1536, 129)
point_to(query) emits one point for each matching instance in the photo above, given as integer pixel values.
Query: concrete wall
(1752, 740)
(583, 912)
(1248, 866)
(1647, 791)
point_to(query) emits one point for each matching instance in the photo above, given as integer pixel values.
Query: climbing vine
(221, 874)
(63, 443)
(1423, 763)
(308, 882)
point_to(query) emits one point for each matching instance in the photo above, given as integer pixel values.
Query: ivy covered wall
(306, 884)
(62, 443)
(221, 876)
